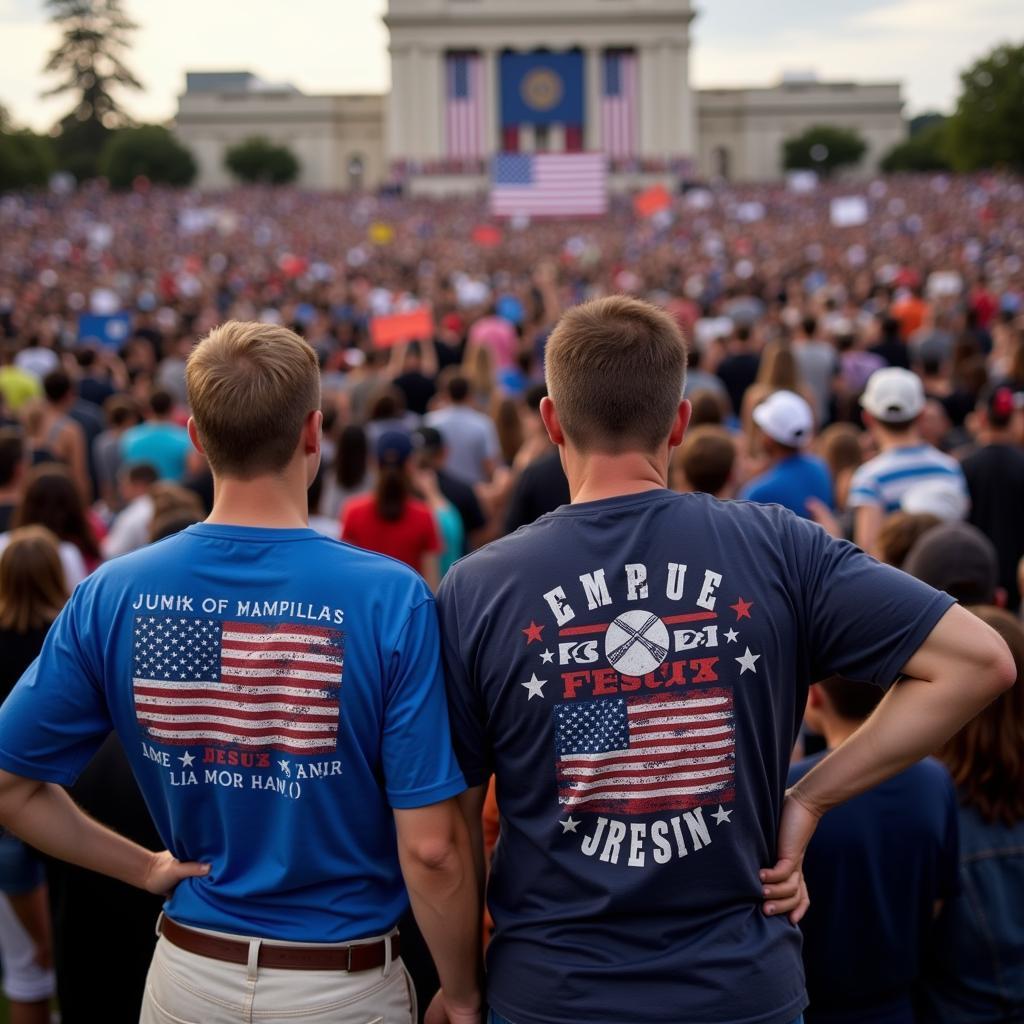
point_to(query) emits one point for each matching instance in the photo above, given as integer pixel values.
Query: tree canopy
(149, 151)
(823, 148)
(258, 161)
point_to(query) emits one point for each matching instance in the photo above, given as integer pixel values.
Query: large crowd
(868, 377)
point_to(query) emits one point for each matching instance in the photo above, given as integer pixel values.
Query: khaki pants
(183, 988)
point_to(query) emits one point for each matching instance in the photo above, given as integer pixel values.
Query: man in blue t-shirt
(159, 441)
(786, 425)
(632, 669)
(878, 867)
(280, 699)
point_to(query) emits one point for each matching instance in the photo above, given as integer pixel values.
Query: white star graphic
(283, 765)
(546, 657)
(731, 636)
(569, 825)
(747, 662)
(535, 686)
(186, 759)
(721, 815)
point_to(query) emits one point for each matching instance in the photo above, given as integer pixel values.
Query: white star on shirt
(747, 662)
(731, 636)
(535, 686)
(569, 825)
(186, 759)
(546, 657)
(721, 815)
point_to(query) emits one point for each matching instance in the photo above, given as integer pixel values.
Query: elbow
(997, 666)
(437, 856)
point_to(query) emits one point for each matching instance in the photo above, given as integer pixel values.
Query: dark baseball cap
(957, 558)
(394, 448)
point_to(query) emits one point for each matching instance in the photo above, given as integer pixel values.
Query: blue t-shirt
(634, 671)
(277, 694)
(165, 446)
(790, 483)
(875, 868)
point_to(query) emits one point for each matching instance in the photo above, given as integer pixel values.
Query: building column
(400, 143)
(650, 143)
(670, 93)
(592, 98)
(432, 86)
(688, 100)
(489, 58)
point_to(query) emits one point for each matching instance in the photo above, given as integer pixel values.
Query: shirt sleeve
(466, 708)
(56, 717)
(419, 764)
(861, 619)
(864, 490)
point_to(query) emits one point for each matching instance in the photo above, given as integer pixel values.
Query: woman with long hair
(350, 474)
(32, 593)
(778, 371)
(391, 520)
(977, 969)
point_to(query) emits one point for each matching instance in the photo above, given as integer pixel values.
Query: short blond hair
(251, 387)
(615, 370)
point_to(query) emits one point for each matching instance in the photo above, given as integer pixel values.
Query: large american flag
(266, 686)
(619, 104)
(632, 755)
(464, 108)
(549, 184)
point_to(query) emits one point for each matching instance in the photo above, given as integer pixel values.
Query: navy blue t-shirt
(278, 694)
(634, 671)
(875, 869)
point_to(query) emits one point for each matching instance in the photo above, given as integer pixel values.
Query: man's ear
(193, 436)
(815, 697)
(680, 423)
(549, 415)
(312, 432)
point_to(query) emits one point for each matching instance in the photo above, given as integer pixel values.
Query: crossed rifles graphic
(638, 636)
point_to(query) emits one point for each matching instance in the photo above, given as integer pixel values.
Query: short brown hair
(986, 757)
(32, 585)
(899, 532)
(705, 458)
(615, 369)
(251, 387)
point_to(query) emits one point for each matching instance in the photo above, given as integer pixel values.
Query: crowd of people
(869, 378)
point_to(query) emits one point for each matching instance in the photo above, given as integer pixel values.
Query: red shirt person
(390, 521)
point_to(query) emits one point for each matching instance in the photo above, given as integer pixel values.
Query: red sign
(398, 328)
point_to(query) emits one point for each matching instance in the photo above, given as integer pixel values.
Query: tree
(89, 57)
(925, 151)
(149, 151)
(258, 161)
(985, 130)
(26, 160)
(823, 148)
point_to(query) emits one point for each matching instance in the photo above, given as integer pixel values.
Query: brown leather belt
(296, 958)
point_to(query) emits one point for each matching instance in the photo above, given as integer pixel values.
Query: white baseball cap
(893, 395)
(787, 418)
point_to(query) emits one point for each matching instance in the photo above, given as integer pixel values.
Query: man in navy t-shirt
(633, 668)
(280, 699)
(878, 868)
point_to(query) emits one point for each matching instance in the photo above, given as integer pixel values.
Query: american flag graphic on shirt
(260, 686)
(632, 755)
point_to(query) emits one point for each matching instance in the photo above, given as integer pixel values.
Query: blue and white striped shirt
(886, 478)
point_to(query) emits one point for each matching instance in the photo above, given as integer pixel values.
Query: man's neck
(599, 475)
(9, 496)
(989, 436)
(267, 501)
(887, 442)
(838, 730)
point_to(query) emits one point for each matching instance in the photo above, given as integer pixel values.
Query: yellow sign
(541, 89)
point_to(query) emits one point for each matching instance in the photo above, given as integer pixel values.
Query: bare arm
(471, 803)
(433, 847)
(962, 666)
(73, 451)
(867, 522)
(47, 818)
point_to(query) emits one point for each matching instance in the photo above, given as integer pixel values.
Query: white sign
(849, 211)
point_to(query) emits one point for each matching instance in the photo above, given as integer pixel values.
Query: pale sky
(332, 46)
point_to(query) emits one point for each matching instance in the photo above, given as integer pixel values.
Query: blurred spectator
(900, 532)
(890, 346)
(778, 372)
(709, 408)
(18, 387)
(893, 402)
(329, 526)
(433, 455)
(130, 528)
(390, 521)
(995, 480)
(386, 414)
(351, 474)
(416, 375)
(977, 962)
(818, 365)
(705, 462)
(94, 387)
(541, 487)
(698, 379)
(878, 867)
(51, 499)
(32, 593)
(54, 436)
(786, 425)
(122, 413)
(159, 440)
(13, 467)
(738, 370)
(839, 447)
(959, 559)
(469, 436)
